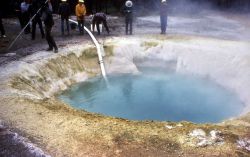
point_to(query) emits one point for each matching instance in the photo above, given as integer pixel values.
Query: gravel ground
(207, 23)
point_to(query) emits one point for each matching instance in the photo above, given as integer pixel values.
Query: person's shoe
(3, 36)
(56, 50)
(163, 32)
(49, 49)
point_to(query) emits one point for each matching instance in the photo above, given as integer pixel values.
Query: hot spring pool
(155, 96)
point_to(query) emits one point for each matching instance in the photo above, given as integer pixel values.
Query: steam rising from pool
(155, 96)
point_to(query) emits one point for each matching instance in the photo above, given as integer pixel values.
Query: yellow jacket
(80, 11)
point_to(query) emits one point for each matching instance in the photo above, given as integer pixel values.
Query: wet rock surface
(244, 144)
(202, 139)
(14, 145)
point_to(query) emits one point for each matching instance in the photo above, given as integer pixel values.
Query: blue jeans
(62, 25)
(164, 20)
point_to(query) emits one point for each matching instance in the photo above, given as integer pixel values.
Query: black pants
(19, 16)
(98, 26)
(1, 27)
(129, 25)
(25, 20)
(62, 25)
(49, 38)
(37, 20)
(81, 26)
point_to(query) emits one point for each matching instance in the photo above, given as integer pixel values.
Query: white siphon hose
(98, 47)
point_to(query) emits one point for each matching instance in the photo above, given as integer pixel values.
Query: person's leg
(33, 31)
(48, 38)
(163, 24)
(131, 26)
(26, 22)
(53, 43)
(98, 28)
(39, 21)
(161, 21)
(93, 25)
(126, 23)
(106, 26)
(19, 16)
(27, 19)
(22, 22)
(2, 28)
(67, 25)
(62, 26)
(79, 26)
(83, 26)
(166, 22)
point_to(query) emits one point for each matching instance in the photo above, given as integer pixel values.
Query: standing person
(64, 11)
(1, 26)
(99, 18)
(49, 22)
(17, 10)
(163, 16)
(35, 6)
(25, 15)
(80, 13)
(128, 11)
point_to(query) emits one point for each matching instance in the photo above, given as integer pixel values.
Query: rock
(216, 136)
(179, 125)
(169, 127)
(244, 144)
(202, 140)
(198, 133)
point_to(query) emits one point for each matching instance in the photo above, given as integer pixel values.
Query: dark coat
(47, 17)
(99, 17)
(34, 7)
(163, 9)
(128, 12)
(64, 10)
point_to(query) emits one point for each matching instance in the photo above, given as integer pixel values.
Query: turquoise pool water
(155, 96)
